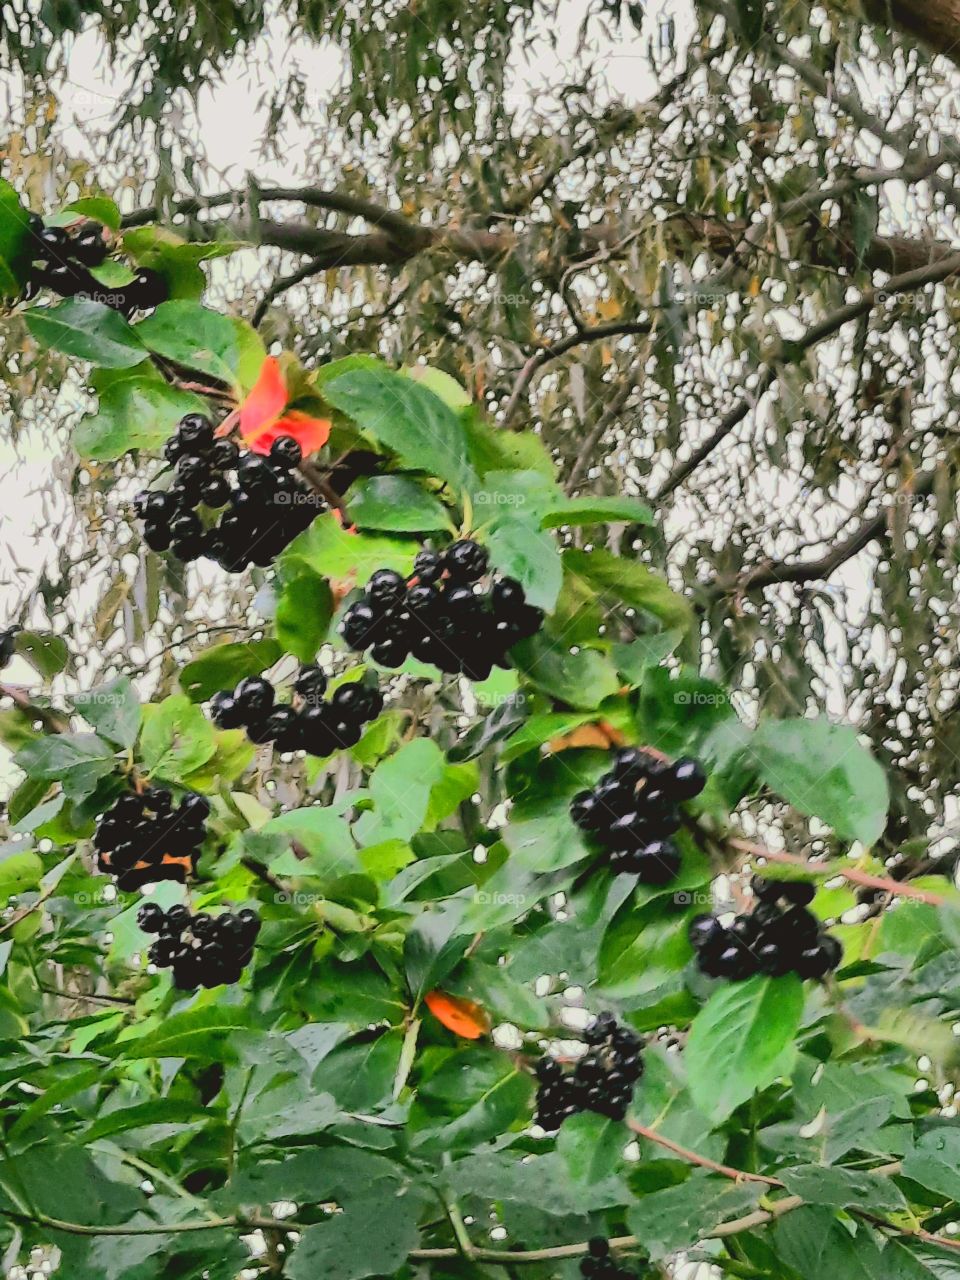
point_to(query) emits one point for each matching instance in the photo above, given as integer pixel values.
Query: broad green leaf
(113, 710)
(223, 666)
(675, 1217)
(401, 787)
(137, 410)
(395, 504)
(934, 1161)
(76, 760)
(406, 418)
(88, 331)
(322, 834)
(630, 583)
(635, 658)
(822, 770)
(177, 738)
(360, 1073)
(196, 1033)
(327, 549)
(18, 873)
(434, 946)
(741, 1040)
(198, 338)
(519, 550)
(582, 679)
(302, 618)
(14, 242)
(46, 653)
(591, 1146)
(100, 208)
(822, 1184)
(817, 1246)
(372, 1236)
(596, 510)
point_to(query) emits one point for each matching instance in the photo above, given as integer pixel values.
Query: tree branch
(794, 350)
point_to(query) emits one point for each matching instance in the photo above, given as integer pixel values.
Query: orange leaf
(264, 416)
(266, 401)
(309, 433)
(462, 1017)
(602, 735)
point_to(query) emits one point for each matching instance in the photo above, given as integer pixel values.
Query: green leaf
(323, 834)
(360, 1073)
(822, 770)
(741, 1040)
(821, 1184)
(198, 338)
(518, 549)
(396, 504)
(934, 1162)
(14, 242)
(372, 1236)
(329, 550)
(46, 653)
(223, 666)
(137, 410)
(675, 1217)
(176, 739)
(406, 418)
(400, 787)
(89, 331)
(76, 760)
(591, 1146)
(100, 208)
(635, 658)
(818, 1247)
(18, 873)
(433, 947)
(476, 1095)
(113, 710)
(596, 510)
(303, 614)
(630, 583)
(582, 679)
(202, 1033)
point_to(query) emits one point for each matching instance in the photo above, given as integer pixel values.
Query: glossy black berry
(254, 695)
(386, 586)
(150, 917)
(286, 452)
(224, 455)
(427, 567)
(311, 684)
(88, 246)
(465, 560)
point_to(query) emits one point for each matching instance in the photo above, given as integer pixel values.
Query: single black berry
(286, 452)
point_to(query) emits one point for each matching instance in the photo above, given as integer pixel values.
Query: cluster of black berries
(311, 723)
(266, 504)
(145, 838)
(440, 616)
(602, 1080)
(8, 644)
(202, 950)
(600, 1264)
(632, 812)
(779, 936)
(62, 259)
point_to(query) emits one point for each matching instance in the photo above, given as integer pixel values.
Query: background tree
(732, 300)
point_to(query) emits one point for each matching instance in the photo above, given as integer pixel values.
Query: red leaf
(264, 415)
